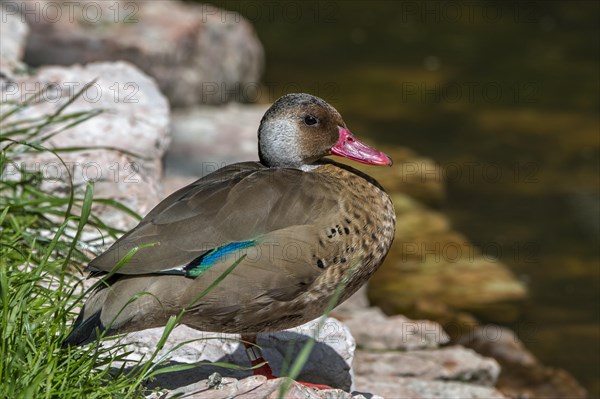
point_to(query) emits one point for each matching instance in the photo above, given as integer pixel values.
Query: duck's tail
(88, 327)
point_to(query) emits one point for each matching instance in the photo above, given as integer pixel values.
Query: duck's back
(236, 203)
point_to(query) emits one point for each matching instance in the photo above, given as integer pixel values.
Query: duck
(295, 224)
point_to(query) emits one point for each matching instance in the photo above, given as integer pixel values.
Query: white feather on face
(280, 142)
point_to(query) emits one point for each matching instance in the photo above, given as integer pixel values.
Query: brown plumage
(302, 221)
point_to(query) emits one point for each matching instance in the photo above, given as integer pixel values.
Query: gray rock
(500, 343)
(449, 390)
(393, 333)
(133, 117)
(206, 138)
(523, 376)
(385, 386)
(414, 388)
(255, 387)
(13, 33)
(197, 53)
(447, 364)
(329, 363)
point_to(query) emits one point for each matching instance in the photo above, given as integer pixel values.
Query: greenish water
(505, 96)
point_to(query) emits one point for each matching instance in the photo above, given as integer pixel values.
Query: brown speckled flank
(307, 225)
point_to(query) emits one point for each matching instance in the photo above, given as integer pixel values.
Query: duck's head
(300, 129)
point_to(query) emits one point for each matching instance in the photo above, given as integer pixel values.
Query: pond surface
(505, 96)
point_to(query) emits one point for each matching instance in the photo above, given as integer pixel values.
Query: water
(505, 96)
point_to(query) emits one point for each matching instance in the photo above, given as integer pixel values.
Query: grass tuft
(41, 250)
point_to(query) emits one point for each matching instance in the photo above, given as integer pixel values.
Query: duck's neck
(308, 168)
(302, 167)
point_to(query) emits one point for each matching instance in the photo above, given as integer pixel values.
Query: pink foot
(266, 370)
(314, 386)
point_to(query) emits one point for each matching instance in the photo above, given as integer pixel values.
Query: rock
(396, 356)
(433, 271)
(393, 333)
(414, 388)
(126, 122)
(13, 31)
(255, 387)
(384, 386)
(329, 362)
(197, 53)
(413, 219)
(498, 342)
(206, 138)
(453, 363)
(522, 376)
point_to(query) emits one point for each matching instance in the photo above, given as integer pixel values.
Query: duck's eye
(310, 120)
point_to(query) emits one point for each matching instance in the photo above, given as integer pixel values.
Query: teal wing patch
(201, 264)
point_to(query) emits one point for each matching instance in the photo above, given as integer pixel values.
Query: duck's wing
(224, 211)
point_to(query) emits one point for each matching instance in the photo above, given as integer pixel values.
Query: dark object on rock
(214, 381)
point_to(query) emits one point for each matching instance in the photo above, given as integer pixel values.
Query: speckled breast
(353, 243)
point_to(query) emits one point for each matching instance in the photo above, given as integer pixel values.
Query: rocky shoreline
(150, 150)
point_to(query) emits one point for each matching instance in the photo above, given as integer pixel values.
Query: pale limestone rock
(206, 138)
(132, 118)
(256, 387)
(445, 364)
(196, 52)
(13, 34)
(414, 388)
(393, 333)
